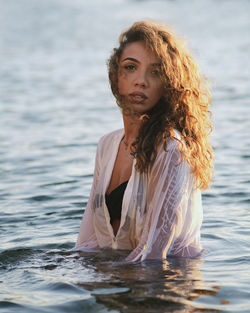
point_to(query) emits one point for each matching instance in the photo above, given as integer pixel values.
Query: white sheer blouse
(161, 210)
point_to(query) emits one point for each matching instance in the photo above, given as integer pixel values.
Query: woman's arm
(86, 237)
(168, 210)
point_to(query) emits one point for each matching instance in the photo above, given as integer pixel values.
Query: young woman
(146, 191)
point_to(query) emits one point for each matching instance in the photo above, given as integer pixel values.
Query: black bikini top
(114, 201)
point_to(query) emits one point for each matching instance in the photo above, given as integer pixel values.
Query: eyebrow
(131, 59)
(136, 61)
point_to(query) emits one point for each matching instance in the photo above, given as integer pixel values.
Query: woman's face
(139, 81)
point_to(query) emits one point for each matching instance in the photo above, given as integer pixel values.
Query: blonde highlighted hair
(184, 105)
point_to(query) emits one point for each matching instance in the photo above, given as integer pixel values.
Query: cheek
(122, 75)
(159, 91)
(122, 80)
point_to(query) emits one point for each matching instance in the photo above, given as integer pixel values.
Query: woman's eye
(156, 72)
(130, 67)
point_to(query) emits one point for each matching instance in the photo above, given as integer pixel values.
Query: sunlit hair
(184, 106)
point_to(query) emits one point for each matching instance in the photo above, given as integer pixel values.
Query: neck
(131, 128)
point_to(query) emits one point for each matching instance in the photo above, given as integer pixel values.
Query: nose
(141, 79)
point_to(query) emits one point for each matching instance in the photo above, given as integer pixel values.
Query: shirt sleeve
(86, 237)
(170, 226)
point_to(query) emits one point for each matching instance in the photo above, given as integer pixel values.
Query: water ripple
(56, 104)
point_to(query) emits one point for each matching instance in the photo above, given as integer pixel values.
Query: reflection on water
(59, 280)
(172, 285)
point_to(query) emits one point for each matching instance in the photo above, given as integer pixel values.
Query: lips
(138, 97)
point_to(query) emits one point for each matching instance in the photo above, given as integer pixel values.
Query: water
(55, 104)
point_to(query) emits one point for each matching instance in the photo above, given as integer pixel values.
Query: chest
(132, 215)
(122, 169)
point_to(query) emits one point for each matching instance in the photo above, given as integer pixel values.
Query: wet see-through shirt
(161, 210)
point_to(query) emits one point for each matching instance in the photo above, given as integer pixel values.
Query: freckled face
(139, 81)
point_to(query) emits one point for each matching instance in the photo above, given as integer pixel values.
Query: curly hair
(184, 105)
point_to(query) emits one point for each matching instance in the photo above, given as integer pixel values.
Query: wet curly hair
(184, 105)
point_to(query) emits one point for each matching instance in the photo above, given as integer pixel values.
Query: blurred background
(55, 104)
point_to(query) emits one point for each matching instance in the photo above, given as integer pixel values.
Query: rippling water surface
(55, 104)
